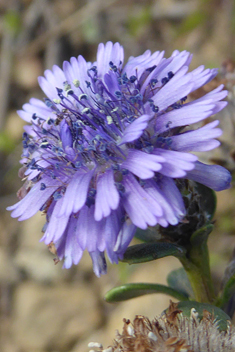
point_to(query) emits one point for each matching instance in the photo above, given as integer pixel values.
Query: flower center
(90, 122)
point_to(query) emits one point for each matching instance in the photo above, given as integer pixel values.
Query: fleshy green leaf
(149, 235)
(200, 236)
(178, 280)
(128, 291)
(219, 315)
(228, 289)
(145, 252)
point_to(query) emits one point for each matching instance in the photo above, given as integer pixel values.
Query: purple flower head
(103, 149)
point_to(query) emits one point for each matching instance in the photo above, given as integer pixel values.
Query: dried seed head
(173, 332)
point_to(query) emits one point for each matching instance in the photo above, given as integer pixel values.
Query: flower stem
(197, 267)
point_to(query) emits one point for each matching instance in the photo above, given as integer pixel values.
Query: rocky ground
(44, 308)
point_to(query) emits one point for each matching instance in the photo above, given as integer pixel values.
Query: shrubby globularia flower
(103, 149)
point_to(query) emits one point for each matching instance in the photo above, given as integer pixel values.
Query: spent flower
(172, 332)
(102, 152)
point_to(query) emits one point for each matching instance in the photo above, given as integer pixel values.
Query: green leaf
(178, 280)
(228, 290)
(129, 291)
(145, 252)
(151, 234)
(200, 236)
(218, 314)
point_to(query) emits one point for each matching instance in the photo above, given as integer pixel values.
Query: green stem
(197, 267)
(201, 283)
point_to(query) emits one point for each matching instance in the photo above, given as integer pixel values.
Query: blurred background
(44, 308)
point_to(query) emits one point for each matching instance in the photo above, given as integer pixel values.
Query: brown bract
(173, 332)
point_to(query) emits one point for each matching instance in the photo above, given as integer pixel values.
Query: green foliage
(200, 237)
(229, 287)
(178, 280)
(129, 291)
(146, 252)
(220, 316)
(149, 235)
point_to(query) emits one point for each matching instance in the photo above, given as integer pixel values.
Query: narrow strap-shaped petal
(124, 238)
(137, 65)
(176, 163)
(140, 207)
(111, 230)
(65, 135)
(82, 229)
(142, 164)
(88, 230)
(186, 115)
(169, 198)
(172, 193)
(99, 263)
(175, 64)
(76, 193)
(76, 70)
(35, 106)
(35, 199)
(169, 216)
(56, 226)
(72, 249)
(105, 54)
(212, 176)
(52, 80)
(135, 129)
(200, 140)
(111, 82)
(107, 196)
(203, 77)
(155, 74)
(94, 232)
(178, 87)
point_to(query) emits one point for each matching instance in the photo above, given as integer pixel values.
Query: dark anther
(155, 108)
(133, 79)
(150, 69)
(42, 186)
(164, 80)
(170, 74)
(153, 82)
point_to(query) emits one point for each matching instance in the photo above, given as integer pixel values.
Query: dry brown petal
(22, 192)
(173, 332)
(52, 248)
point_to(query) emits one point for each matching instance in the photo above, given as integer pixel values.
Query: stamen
(83, 96)
(76, 83)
